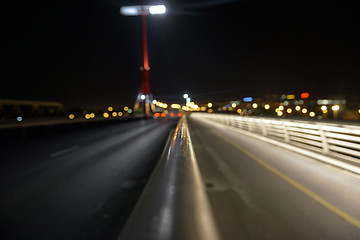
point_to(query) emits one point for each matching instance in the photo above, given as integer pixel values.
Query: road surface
(80, 185)
(260, 191)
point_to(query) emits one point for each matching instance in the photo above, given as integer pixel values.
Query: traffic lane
(85, 193)
(251, 202)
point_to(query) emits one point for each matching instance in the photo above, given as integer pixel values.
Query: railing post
(324, 143)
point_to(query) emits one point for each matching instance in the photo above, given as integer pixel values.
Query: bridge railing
(174, 204)
(335, 140)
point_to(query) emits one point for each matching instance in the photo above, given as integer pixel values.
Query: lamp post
(144, 97)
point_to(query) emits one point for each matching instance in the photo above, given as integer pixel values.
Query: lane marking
(64, 151)
(295, 184)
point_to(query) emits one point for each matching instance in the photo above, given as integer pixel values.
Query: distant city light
(120, 114)
(254, 105)
(179, 114)
(289, 110)
(154, 101)
(188, 99)
(163, 115)
(247, 99)
(142, 97)
(126, 108)
(312, 114)
(114, 114)
(304, 95)
(92, 115)
(233, 105)
(105, 115)
(71, 116)
(279, 113)
(304, 110)
(239, 111)
(129, 110)
(110, 109)
(297, 108)
(185, 96)
(175, 106)
(323, 108)
(335, 107)
(19, 119)
(291, 96)
(286, 103)
(209, 105)
(172, 114)
(281, 108)
(267, 106)
(87, 116)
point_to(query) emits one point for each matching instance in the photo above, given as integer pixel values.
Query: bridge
(203, 176)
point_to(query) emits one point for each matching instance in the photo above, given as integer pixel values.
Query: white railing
(340, 141)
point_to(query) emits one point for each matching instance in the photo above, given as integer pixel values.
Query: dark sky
(84, 53)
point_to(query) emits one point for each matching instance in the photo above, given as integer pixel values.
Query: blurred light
(154, 101)
(130, 10)
(279, 113)
(210, 111)
(323, 108)
(130, 110)
(267, 106)
(296, 102)
(142, 97)
(157, 115)
(233, 105)
(286, 103)
(114, 114)
(291, 96)
(105, 115)
(175, 106)
(283, 96)
(281, 108)
(325, 111)
(209, 105)
(19, 119)
(297, 108)
(179, 114)
(254, 105)
(71, 116)
(163, 115)
(120, 114)
(87, 116)
(359, 111)
(110, 109)
(203, 109)
(304, 110)
(304, 95)
(312, 114)
(126, 108)
(224, 108)
(301, 102)
(157, 9)
(247, 99)
(230, 108)
(239, 111)
(277, 110)
(335, 107)
(165, 105)
(185, 108)
(185, 96)
(188, 99)
(196, 107)
(289, 110)
(172, 114)
(92, 115)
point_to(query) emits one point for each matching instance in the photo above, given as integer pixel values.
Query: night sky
(84, 53)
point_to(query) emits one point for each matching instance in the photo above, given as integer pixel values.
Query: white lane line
(64, 151)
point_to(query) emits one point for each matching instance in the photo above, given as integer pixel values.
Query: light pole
(144, 97)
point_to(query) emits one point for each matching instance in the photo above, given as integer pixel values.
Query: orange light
(157, 115)
(172, 114)
(163, 114)
(304, 95)
(179, 114)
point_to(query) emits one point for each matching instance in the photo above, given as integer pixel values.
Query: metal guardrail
(174, 204)
(340, 141)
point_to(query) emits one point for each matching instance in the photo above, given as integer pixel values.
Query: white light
(188, 99)
(335, 107)
(154, 101)
(130, 10)
(185, 96)
(143, 97)
(157, 9)
(19, 119)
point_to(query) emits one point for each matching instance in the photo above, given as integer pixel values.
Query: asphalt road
(260, 191)
(79, 185)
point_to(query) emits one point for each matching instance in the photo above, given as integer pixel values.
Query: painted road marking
(297, 185)
(64, 151)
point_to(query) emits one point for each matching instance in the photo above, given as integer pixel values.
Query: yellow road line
(297, 185)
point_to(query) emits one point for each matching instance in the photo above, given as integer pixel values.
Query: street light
(144, 98)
